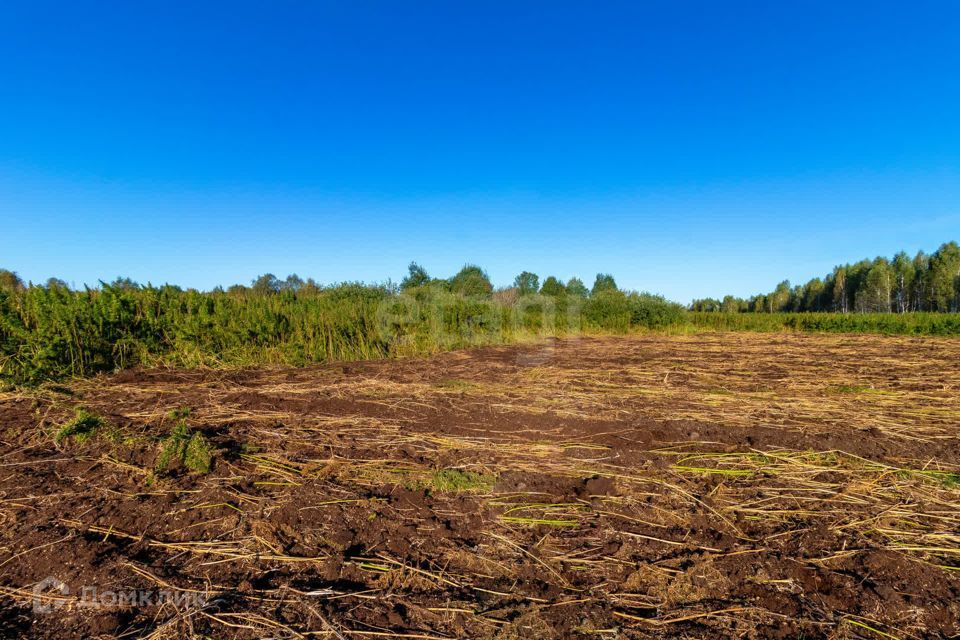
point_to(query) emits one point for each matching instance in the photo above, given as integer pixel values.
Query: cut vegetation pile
(707, 486)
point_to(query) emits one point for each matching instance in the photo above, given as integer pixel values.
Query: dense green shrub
(553, 287)
(49, 332)
(576, 288)
(603, 283)
(607, 309)
(471, 281)
(654, 312)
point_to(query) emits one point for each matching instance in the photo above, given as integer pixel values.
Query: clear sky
(689, 148)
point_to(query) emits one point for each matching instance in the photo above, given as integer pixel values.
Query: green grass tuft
(190, 448)
(949, 479)
(81, 428)
(453, 481)
(456, 481)
(849, 388)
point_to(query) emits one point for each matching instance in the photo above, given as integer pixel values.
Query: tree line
(902, 284)
(473, 280)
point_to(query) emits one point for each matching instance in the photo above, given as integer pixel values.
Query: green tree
(416, 277)
(780, 298)
(576, 288)
(876, 290)
(731, 304)
(553, 287)
(527, 283)
(10, 281)
(705, 304)
(56, 283)
(293, 283)
(943, 274)
(310, 287)
(839, 293)
(471, 281)
(797, 295)
(125, 284)
(603, 282)
(267, 283)
(904, 273)
(856, 281)
(900, 284)
(813, 296)
(921, 269)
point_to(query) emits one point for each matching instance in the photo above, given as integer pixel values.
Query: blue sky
(689, 148)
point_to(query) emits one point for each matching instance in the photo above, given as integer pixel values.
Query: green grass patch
(456, 481)
(719, 392)
(444, 481)
(949, 479)
(186, 447)
(82, 427)
(850, 388)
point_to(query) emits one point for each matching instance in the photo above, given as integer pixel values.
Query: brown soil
(708, 486)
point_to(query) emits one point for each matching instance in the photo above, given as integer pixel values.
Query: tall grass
(53, 332)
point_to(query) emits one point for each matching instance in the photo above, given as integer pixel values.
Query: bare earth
(708, 486)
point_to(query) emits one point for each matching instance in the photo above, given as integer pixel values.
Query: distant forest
(898, 285)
